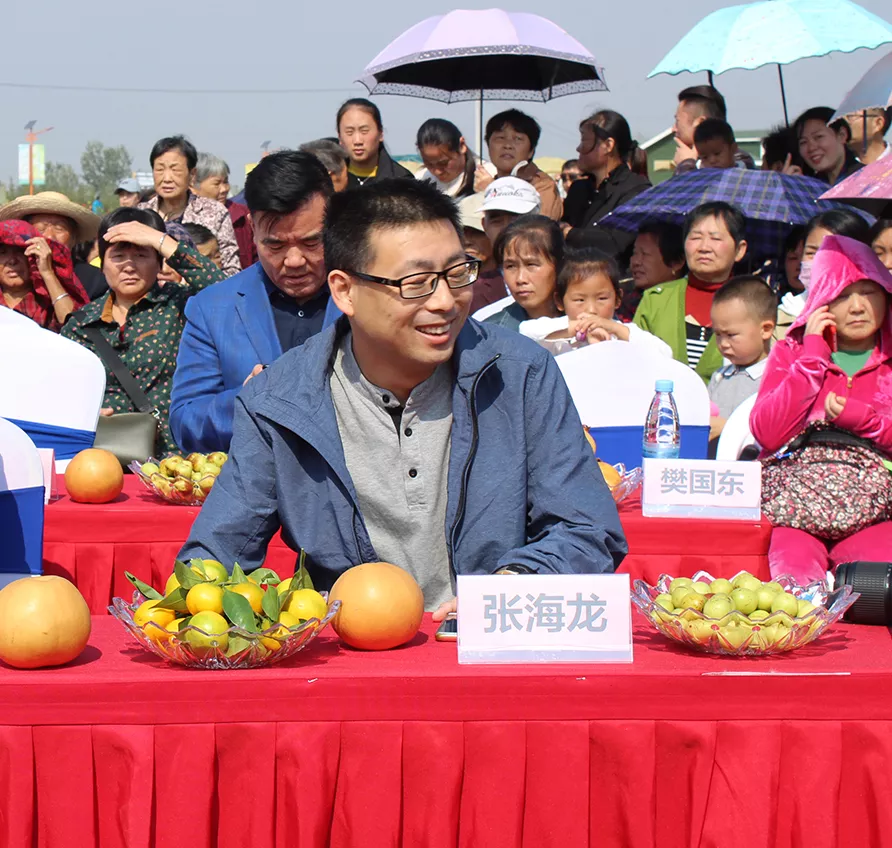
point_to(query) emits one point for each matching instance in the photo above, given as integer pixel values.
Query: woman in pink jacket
(835, 364)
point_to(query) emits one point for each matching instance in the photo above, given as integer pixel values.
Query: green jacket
(662, 313)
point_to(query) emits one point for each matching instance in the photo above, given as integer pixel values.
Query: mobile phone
(830, 337)
(448, 630)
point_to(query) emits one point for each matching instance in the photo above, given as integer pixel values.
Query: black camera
(873, 581)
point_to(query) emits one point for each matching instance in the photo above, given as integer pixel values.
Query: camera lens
(872, 580)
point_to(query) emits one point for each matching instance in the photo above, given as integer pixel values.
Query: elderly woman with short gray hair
(212, 180)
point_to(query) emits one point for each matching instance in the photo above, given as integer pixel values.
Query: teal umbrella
(774, 32)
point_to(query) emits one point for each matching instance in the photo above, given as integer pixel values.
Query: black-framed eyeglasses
(424, 283)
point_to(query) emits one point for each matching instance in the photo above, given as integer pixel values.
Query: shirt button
(413, 473)
(300, 313)
(385, 398)
(408, 431)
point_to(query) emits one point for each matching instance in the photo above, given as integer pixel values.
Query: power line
(254, 91)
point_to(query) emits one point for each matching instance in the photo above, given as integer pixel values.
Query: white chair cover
(736, 435)
(21, 504)
(50, 382)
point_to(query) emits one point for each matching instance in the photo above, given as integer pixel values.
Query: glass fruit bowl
(629, 483)
(735, 634)
(240, 648)
(186, 493)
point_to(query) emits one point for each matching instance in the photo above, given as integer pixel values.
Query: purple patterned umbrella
(484, 55)
(772, 203)
(869, 188)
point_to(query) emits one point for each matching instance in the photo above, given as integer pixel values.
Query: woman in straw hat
(56, 217)
(36, 277)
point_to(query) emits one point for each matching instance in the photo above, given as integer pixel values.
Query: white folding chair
(492, 308)
(736, 434)
(21, 505)
(612, 385)
(51, 387)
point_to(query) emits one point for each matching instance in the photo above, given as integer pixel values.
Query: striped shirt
(696, 339)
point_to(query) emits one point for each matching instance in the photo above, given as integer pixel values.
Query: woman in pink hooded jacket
(849, 384)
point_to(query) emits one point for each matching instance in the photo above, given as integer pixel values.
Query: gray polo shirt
(731, 385)
(398, 459)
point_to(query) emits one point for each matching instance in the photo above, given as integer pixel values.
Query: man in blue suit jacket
(237, 328)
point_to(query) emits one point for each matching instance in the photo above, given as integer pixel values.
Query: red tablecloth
(93, 545)
(406, 748)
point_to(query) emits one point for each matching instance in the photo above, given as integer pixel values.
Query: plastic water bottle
(662, 437)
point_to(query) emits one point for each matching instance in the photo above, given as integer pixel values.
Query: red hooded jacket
(800, 372)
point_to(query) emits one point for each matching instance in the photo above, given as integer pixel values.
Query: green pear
(765, 597)
(745, 580)
(785, 602)
(721, 586)
(745, 600)
(701, 587)
(718, 606)
(664, 601)
(149, 468)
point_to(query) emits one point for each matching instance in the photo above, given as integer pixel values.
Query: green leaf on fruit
(175, 601)
(270, 603)
(197, 565)
(238, 576)
(302, 579)
(265, 576)
(238, 611)
(237, 644)
(186, 577)
(147, 591)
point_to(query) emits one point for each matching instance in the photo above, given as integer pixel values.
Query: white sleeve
(642, 337)
(538, 328)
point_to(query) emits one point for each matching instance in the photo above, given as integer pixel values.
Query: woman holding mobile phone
(829, 384)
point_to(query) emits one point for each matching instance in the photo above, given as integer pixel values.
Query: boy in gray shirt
(744, 313)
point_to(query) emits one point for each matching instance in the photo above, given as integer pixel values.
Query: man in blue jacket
(406, 432)
(236, 328)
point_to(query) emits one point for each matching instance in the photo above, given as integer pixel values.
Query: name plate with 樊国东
(544, 618)
(702, 488)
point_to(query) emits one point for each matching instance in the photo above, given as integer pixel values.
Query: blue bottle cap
(664, 385)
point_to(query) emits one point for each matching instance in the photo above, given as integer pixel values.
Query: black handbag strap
(116, 365)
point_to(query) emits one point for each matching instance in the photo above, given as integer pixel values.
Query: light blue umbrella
(774, 32)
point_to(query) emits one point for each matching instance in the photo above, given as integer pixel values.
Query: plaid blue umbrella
(772, 203)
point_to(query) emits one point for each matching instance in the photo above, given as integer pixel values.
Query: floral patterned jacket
(215, 216)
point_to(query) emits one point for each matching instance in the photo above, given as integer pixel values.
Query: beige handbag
(128, 435)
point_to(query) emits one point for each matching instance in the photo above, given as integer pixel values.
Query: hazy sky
(294, 44)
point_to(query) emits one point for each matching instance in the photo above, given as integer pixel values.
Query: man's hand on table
(444, 609)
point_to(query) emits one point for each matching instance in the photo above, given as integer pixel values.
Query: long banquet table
(93, 545)
(343, 749)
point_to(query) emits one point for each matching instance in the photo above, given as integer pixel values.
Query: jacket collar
(253, 308)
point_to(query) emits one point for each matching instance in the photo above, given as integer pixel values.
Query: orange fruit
(215, 571)
(214, 635)
(94, 476)
(148, 612)
(274, 640)
(611, 475)
(171, 584)
(306, 603)
(205, 597)
(382, 606)
(43, 621)
(252, 592)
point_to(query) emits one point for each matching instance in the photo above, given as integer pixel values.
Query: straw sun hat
(53, 203)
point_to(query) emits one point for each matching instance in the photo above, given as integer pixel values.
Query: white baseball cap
(511, 194)
(469, 208)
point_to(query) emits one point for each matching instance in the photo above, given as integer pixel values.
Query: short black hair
(175, 142)
(284, 181)
(570, 164)
(585, 262)
(670, 242)
(713, 128)
(840, 222)
(200, 234)
(541, 233)
(754, 292)
(387, 204)
(124, 215)
(778, 144)
(824, 114)
(517, 119)
(731, 215)
(707, 98)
